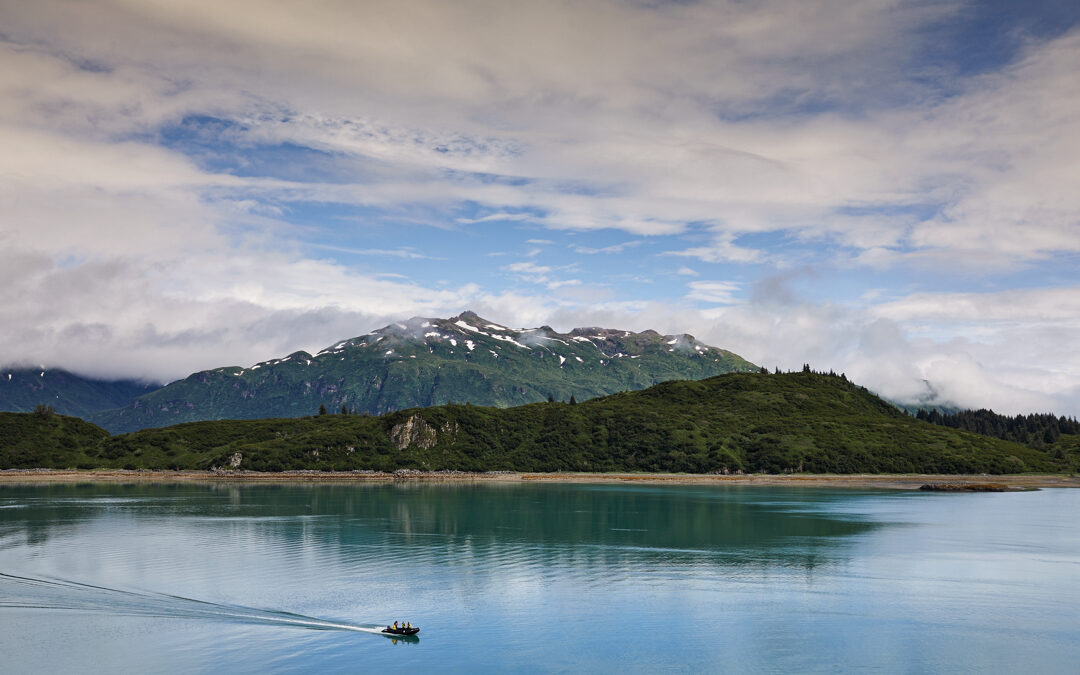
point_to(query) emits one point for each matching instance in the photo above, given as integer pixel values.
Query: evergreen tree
(42, 410)
(322, 409)
(344, 410)
(573, 401)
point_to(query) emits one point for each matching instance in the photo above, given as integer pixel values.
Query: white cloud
(722, 249)
(120, 250)
(614, 248)
(715, 292)
(1027, 306)
(403, 252)
(646, 153)
(539, 274)
(499, 217)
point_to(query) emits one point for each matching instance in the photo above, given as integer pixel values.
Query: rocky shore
(876, 481)
(968, 487)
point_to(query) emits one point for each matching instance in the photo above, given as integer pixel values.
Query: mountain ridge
(23, 389)
(430, 361)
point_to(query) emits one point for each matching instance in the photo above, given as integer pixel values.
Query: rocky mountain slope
(428, 362)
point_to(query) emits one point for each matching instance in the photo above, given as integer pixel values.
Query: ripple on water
(566, 578)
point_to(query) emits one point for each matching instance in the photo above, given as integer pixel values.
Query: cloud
(380, 252)
(124, 317)
(498, 217)
(1027, 306)
(539, 274)
(147, 211)
(614, 248)
(698, 119)
(714, 292)
(722, 249)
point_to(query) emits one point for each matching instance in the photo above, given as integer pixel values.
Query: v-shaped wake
(62, 594)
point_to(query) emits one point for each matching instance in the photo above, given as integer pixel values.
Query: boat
(403, 631)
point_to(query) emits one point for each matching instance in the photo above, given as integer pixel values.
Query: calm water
(536, 578)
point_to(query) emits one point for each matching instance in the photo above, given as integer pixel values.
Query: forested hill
(426, 362)
(1041, 431)
(803, 422)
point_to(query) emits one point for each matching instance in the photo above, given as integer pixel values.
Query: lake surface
(536, 578)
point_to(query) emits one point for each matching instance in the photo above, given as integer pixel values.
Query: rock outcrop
(414, 431)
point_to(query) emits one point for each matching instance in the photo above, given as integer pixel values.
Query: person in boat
(409, 625)
(395, 625)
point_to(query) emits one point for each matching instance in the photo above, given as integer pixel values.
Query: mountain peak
(431, 361)
(475, 320)
(468, 315)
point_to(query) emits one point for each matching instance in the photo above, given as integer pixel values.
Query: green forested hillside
(46, 439)
(802, 422)
(427, 362)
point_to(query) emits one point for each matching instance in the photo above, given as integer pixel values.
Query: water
(536, 578)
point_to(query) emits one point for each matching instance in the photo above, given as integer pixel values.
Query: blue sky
(885, 188)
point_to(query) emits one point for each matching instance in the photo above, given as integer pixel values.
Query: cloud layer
(165, 164)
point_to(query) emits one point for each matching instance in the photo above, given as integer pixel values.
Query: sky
(885, 188)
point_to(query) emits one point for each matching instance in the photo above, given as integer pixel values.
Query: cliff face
(414, 431)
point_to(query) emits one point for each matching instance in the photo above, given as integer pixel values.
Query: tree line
(1035, 430)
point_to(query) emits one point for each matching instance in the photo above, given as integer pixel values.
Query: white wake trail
(63, 594)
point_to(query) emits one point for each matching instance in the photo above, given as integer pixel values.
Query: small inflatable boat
(400, 631)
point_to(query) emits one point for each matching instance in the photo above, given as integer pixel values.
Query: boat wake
(61, 594)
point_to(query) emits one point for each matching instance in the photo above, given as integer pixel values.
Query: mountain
(23, 389)
(426, 362)
(801, 422)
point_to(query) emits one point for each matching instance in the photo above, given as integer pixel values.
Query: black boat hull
(400, 632)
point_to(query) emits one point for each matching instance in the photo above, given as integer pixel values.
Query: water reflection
(477, 526)
(754, 579)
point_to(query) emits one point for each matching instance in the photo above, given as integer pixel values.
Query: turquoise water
(536, 578)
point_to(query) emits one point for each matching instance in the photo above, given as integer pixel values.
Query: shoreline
(877, 481)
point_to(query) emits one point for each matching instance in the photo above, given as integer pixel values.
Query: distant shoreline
(882, 481)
